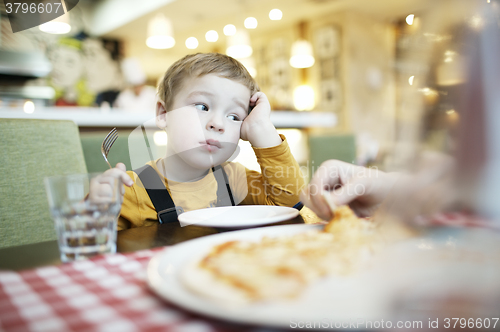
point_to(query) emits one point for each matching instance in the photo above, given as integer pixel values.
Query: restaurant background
(354, 115)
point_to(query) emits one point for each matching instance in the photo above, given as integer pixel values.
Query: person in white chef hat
(138, 97)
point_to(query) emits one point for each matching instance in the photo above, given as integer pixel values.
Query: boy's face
(203, 127)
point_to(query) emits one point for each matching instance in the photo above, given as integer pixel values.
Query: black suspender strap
(224, 197)
(163, 203)
(158, 193)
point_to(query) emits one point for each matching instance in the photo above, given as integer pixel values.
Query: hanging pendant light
(302, 58)
(302, 52)
(238, 45)
(192, 43)
(59, 25)
(303, 98)
(160, 33)
(229, 30)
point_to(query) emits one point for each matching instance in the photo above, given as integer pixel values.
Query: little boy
(207, 102)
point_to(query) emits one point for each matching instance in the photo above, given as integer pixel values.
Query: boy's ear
(161, 118)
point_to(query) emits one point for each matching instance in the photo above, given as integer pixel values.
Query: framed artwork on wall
(331, 95)
(328, 52)
(280, 74)
(327, 42)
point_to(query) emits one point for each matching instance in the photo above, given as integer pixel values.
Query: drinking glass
(85, 226)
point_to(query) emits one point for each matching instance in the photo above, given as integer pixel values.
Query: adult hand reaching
(342, 183)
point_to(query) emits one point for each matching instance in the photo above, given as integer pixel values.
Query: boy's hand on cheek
(257, 127)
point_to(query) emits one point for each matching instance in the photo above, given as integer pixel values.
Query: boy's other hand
(100, 187)
(257, 127)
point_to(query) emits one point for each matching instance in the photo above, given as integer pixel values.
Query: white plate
(333, 300)
(237, 216)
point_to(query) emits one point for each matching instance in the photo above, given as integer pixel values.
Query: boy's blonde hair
(200, 64)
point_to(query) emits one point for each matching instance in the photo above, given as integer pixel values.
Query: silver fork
(107, 143)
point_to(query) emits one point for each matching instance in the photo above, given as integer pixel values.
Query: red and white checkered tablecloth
(106, 293)
(456, 219)
(110, 293)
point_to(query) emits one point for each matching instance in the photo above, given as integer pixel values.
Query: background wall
(362, 75)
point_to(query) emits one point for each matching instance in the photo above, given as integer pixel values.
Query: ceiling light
(238, 46)
(250, 23)
(409, 19)
(302, 54)
(229, 30)
(160, 33)
(211, 36)
(160, 42)
(303, 98)
(57, 26)
(275, 14)
(452, 71)
(476, 22)
(191, 43)
(411, 79)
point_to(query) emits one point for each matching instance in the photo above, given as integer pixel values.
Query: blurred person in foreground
(425, 191)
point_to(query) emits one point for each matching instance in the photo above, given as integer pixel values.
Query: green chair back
(128, 142)
(30, 151)
(324, 147)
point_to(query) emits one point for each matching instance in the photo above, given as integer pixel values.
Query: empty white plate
(237, 216)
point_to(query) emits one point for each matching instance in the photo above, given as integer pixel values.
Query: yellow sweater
(278, 183)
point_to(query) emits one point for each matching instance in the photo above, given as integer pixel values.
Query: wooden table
(47, 253)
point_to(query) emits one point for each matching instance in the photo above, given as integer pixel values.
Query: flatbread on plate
(281, 268)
